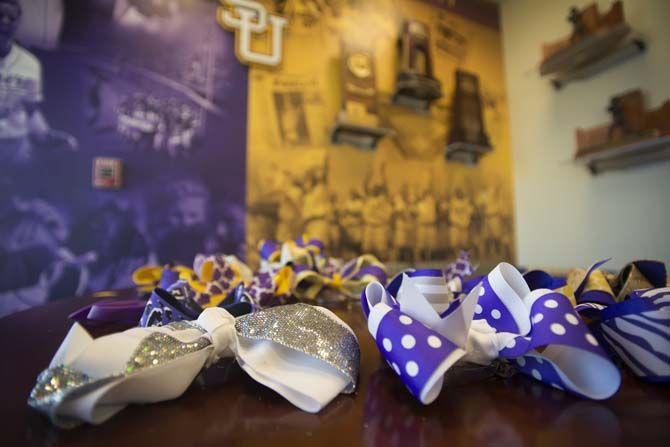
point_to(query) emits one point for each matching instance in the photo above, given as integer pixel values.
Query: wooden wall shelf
(626, 154)
(599, 40)
(626, 49)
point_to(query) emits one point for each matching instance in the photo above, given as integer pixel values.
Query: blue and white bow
(421, 334)
(634, 322)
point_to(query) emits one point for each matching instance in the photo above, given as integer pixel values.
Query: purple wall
(158, 88)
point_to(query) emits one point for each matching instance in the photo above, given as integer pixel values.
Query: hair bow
(177, 303)
(457, 271)
(299, 268)
(212, 278)
(302, 251)
(631, 316)
(305, 353)
(421, 334)
(148, 277)
(349, 279)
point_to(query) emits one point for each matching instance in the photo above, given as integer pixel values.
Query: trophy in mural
(635, 135)
(357, 122)
(415, 85)
(467, 137)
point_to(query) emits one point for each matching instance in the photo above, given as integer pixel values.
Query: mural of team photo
(402, 196)
(154, 84)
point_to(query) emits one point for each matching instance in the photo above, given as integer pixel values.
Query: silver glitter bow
(305, 353)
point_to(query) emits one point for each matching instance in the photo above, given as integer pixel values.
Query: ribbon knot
(421, 333)
(220, 328)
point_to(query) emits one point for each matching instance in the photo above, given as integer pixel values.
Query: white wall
(564, 216)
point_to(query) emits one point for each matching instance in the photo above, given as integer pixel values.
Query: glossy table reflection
(225, 407)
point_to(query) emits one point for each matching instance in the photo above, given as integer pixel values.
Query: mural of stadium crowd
(410, 225)
(153, 83)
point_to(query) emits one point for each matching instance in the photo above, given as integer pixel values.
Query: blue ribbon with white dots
(421, 331)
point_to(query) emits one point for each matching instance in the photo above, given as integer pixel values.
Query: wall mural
(153, 83)
(401, 200)
(157, 85)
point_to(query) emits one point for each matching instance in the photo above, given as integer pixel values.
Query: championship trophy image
(415, 85)
(467, 137)
(357, 122)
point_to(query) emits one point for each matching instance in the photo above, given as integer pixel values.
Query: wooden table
(225, 407)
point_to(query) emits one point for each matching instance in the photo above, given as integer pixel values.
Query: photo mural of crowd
(411, 225)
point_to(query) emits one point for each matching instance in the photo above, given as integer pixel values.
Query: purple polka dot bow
(421, 333)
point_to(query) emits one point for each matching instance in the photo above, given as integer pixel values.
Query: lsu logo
(246, 17)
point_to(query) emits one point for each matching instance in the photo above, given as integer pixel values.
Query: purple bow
(637, 327)
(177, 304)
(421, 334)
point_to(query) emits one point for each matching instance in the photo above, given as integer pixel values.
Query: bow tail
(571, 369)
(302, 380)
(417, 354)
(91, 380)
(561, 351)
(304, 353)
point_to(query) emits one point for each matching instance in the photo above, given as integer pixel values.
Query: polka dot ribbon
(421, 334)
(629, 313)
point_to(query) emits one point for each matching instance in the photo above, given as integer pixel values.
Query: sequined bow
(422, 334)
(630, 314)
(305, 353)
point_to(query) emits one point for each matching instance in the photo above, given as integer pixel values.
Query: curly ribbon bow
(457, 271)
(305, 353)
(633, 317)
(421, 335)
(302, 251)
(299, 268)
(148, 277)
(212, 279)
(349, 279)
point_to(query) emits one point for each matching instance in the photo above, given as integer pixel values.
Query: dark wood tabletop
(225, 407)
